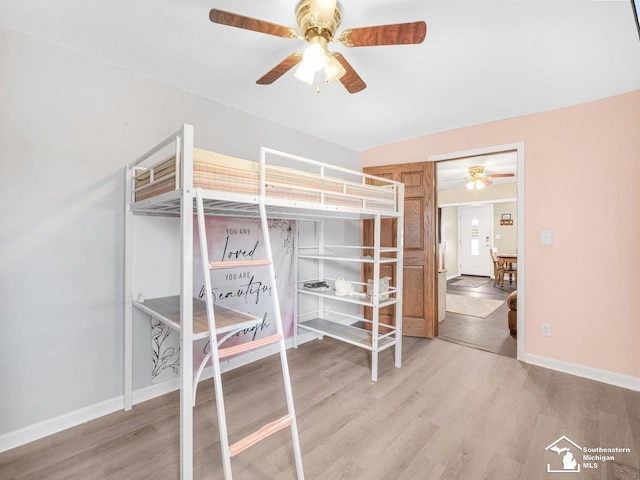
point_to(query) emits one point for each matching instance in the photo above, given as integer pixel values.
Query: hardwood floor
(491, 333)
(450, 412)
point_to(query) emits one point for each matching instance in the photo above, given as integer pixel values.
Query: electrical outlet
(546, 330)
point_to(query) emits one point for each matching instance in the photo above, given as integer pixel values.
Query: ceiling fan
(478, 179)
(318, 21)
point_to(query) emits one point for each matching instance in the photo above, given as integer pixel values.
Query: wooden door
(420, 305)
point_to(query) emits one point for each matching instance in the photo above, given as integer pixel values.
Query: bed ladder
(218, 354)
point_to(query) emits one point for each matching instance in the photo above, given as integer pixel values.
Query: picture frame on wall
(506, 219)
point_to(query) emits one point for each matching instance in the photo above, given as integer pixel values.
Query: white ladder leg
(215, 357)
(283, 349)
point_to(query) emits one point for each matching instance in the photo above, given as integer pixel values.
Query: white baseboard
(83, 415)
(604, 376)
(54, 425)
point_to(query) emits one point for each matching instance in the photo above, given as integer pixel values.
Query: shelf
(348, 247)
(346, 333)
(357, 298)
(167, 310)
(338, 258)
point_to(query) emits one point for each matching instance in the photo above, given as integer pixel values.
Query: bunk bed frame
(183, 313)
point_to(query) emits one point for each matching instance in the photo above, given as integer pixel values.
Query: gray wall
(68, 125)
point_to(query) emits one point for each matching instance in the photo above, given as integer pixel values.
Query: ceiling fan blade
(499, 175)
(351, 80)
(283, 67)
(323, 10)
(248, 23)
(397, 34)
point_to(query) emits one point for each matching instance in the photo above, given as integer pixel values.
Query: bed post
(184, 152)
(399, 273)
(127, 288)
(296, 277)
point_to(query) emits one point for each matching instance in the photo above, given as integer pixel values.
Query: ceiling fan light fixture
(314, 58)
(333, 69)
(314, 55)
(478, 184)
(305, 73)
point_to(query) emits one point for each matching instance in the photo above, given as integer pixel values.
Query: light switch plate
(545, 237)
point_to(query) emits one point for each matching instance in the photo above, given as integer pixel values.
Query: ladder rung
(245, 347)
(239, 263)
(269, 429)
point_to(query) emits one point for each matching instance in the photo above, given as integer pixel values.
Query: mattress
(217, 172)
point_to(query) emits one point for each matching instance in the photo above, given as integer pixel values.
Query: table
(228, 322)
(506, 260)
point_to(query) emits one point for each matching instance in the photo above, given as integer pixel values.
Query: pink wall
(582, 167)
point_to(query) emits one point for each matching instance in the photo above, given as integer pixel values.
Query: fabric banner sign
(244, 289)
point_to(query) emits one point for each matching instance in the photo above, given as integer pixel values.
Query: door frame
(490, 205)
(518, 147)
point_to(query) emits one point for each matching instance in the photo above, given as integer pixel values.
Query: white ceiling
(482, 60)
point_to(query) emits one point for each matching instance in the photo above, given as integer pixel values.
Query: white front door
(475, 239)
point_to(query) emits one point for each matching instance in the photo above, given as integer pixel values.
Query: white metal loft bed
(238, 188)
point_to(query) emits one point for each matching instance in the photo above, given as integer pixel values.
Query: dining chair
(511, 270)
(500, 271)
(497, 270)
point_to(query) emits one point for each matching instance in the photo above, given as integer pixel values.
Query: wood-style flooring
(491, 333)
(450, 412)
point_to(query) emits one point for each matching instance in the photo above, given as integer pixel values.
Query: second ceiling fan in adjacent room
(479, 179)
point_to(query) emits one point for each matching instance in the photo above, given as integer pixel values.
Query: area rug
(620, 471)
(475, 307)
(471, 282)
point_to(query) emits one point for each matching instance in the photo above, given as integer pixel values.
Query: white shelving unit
(324, 317)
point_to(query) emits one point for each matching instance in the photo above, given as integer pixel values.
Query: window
(475, 237)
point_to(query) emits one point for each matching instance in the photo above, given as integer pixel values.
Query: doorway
(476, 313)
(517, 228)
